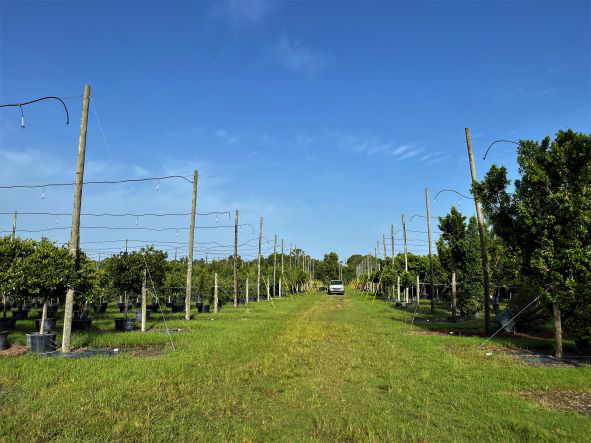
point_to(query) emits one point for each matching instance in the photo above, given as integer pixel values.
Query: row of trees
(42, 270)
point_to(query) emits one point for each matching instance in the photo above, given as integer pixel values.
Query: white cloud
(228, 138)
(295, 57)
(241, 11)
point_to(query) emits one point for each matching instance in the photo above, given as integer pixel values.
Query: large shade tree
(546, 221)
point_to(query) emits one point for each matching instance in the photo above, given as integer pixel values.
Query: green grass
(308, 368)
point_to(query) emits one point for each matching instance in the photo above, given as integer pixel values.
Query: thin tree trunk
(43, 318)
(557, 330)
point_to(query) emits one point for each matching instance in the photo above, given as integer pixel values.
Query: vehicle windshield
(336, 282)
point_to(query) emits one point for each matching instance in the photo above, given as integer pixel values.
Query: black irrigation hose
(20, 105)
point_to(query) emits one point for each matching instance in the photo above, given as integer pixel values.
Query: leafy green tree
(458, 249)
(11, 253)
(546, 221)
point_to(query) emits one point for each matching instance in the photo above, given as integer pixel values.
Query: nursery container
(41, 343)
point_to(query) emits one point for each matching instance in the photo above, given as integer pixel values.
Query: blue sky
(326, 118)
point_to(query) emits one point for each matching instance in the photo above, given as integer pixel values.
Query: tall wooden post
(398, 286)
(144, 303)
(259, 260)
(14, 226)
(454, 299)
(282, 257)
(392, 229)
(405, 255)
(418, 294)
(215, 292)
(482, 231)
(432, 279)
(384, 241)
(191, 242)
(74, 244)
(274, 266)
(236, 260)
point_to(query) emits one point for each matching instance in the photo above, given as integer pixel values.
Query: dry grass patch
(578, 401)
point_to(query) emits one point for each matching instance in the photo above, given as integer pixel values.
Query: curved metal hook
(498, 141)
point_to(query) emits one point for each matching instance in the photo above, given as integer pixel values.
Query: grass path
(315, 368)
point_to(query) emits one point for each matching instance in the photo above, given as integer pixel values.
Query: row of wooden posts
(74, 243)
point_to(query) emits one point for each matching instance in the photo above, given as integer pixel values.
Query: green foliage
(547, 219)
(537, 314)
(458, 248)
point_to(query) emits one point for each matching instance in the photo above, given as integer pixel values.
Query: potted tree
(10, 251)
(45, 273)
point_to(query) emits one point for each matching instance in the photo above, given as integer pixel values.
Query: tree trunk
(557, 330)
(453, 296)
(43, 318)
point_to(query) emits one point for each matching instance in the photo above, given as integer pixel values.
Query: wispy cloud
(293, 56)
(228, 138)
(239, 12)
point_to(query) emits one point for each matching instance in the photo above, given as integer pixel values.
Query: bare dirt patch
(13, 351)
(578, 401)
(147, 351)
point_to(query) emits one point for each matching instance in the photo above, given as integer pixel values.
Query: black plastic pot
(48, 327)
(41, 343)
(241, 301)
(138, 315)
(154, 307)
(100, 309)
(3, 339)
(205, 309)
(7, 324)
(82, 324)
(20, 315)
(199, 307)
(124, 324)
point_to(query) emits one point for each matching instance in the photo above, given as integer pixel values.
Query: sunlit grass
(309, 368)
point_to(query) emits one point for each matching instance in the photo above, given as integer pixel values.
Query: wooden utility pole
(191, 242)
(259, 261)
(453, 296)
(282, 257)
(144, 302)
(432, 279)
(274, 266)
(74, 244)
(236, 260)
(215, 292)
(392, 229)
(482, 231)
(14, 226)
(405, 255)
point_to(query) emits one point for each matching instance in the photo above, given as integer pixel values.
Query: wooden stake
(246, 290)
(557, 330)
(274, 265)
(482, 232)
(215, 292)
(74, 244)
(191, 242)
(259, 261)
(432, 279)
(236, 260)
(144, 302)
